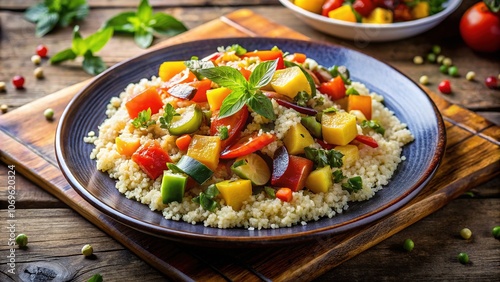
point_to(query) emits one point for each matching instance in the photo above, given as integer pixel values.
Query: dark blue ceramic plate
(409, 102)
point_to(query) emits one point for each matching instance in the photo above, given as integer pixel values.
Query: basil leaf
(92, 64)
(262, 74)
(98, 40)
(79, 13)
(353, 184)
(46, 24)
(195, 65)
(78, 44)
(338, 176)
(143, 38)
(166, 24)
(62, 56)
(75, 4)
(227, 77)
(36, 12)
(233, 103)
(121, 22)
(96, 278)
(212, 191)
(144, 11)
(262, 105)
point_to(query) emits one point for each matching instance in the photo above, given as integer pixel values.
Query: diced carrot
(268, 55)
(148, 98)
(334, 88)
(202, 87)
(127, 146)
(184, 76)
(299, 57)
(183, 141)
(284, 194)
(216, 96)
(168, 70)
(362, 103)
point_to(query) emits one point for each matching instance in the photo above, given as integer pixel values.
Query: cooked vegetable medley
(253, 139)
(372, 11)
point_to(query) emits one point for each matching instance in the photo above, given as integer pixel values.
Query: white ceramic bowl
(362, 32)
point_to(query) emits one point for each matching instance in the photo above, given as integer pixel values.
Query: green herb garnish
(353, 184)
(330, 110)
(223, 132)
(270, 192)
(342, 71)
(238, 49)
(206, 199)
(50, 13)
(194, 65)
(168, 114)
(244, 92)
(144, 24)
(373, 124)
(302, 98)
(338, 176)
(143, 119)
(351, 91)
(322, 157)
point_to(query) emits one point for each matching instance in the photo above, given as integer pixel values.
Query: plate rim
(196, 237)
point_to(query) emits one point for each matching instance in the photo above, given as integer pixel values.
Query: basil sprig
(86, 47)
(244, 92)
(144, 24)
(50, 13)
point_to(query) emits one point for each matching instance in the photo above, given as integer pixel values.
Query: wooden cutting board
(30, 146)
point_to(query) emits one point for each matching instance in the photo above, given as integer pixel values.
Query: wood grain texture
(459, 171)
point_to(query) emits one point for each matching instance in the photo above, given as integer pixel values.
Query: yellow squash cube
(379, 16)
(290, 81)
(235, 192)
(313, 6)
(127, 145)
(205, 149)
(297, 138)
(338, 128)
(351, 154)
(216, 96)
(420, 10)
(320, 180)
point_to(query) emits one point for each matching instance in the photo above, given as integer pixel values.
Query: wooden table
(436, 237)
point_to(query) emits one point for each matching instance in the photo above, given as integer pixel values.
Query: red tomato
(18, 81)
(234, 123)
(445, 87)
(363, 7)
(42, 50)
(247, 145)
(148, 98)
(402, 13)
(491, 82)
(201, 93)
(334, 88)
(295, 174)
(480, 28)
(151, 158)
(330, 5)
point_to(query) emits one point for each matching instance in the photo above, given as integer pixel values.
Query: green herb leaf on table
(49, 14)
(86, 47)
(144, 24)
(95, 278)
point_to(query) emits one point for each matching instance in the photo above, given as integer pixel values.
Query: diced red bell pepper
(363, 7)
(234, 124)
(201, 93)
(330, 5)
(295, 174)
(334, 88)
(151, 158)
(284, 194)
(247, 145)
(268, 55)
(246, 73)
(325, 145)
(148, 98)
(367, 140)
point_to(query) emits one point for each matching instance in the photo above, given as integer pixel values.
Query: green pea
(453, 71)
(463, 258)
(22, 240)
(443, 69)
(49, 114)
(431, 57)
(408, 245)
(436, 49)
(496, 232)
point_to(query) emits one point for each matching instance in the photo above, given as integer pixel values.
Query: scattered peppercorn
(418, 60)
(447, 62)
(18, 81)
(87, 250)
(408, 245)
(440, 59)
(470, 76)
(3, 86)
(38, 73)
(49, 114)
(491, 82)
(445, 87)
(35, 59)
(463, 258)
(42, 50)
(4, 108)
(436, 49)
(496, 232)
(453, 71)
(431, 57)
(22, 240)
(466, 233)
(424, 80)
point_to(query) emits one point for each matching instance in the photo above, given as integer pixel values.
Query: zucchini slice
(195, 169)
